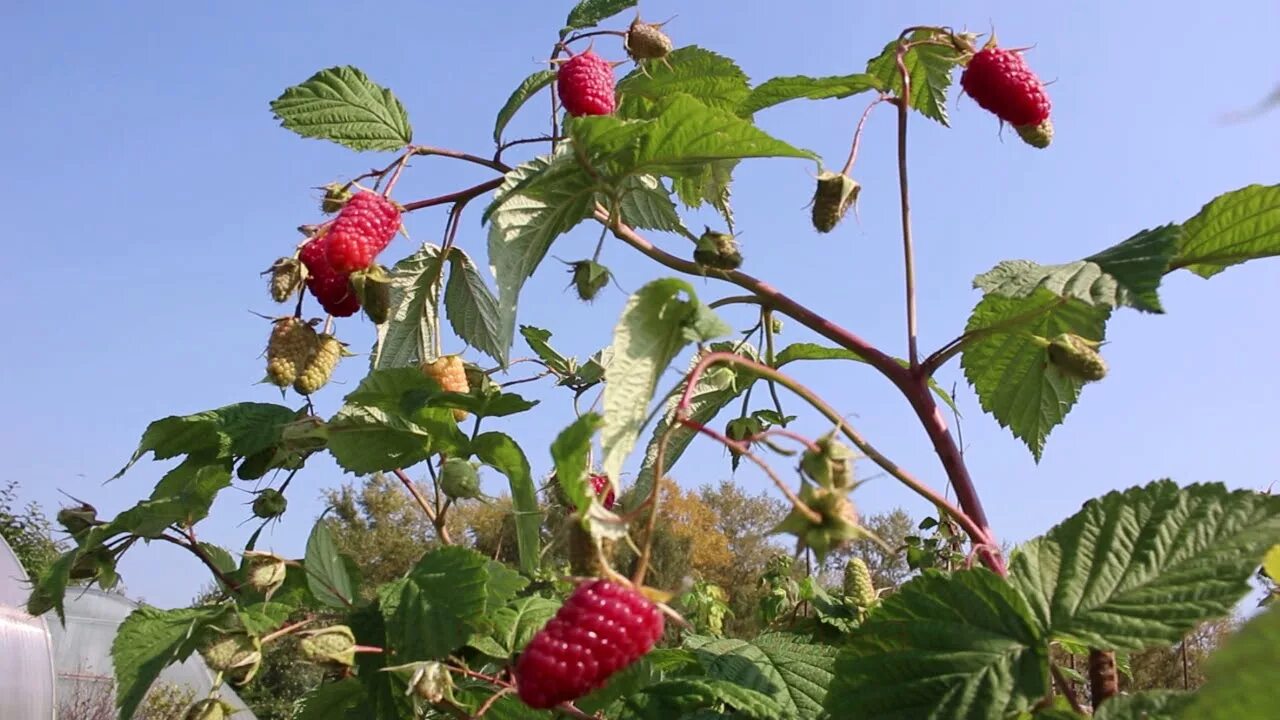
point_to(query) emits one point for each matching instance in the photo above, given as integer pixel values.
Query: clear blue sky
(146, 185)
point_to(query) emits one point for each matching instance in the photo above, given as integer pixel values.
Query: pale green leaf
(411, 334)
(523, 226)
(515, 625)
(433, 610)
(1142, 567)
(149, 640)
(570, 451)
(537, 339)
(787, 668)
(589, 12)
(343, 105)
(651, 331)
(471, 307)
(528, 87)
(963, 645)
(1233, 228)
(504, 582)
(261, 618)
(503, 454)
(783, 89)
(1009, 370)
(713, 80)
(646, 204)
(327, 575)
(1241, 677)
(929, 68)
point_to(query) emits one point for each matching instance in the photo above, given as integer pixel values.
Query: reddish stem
(467, 194)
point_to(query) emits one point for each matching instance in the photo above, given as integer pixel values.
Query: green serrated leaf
(341, 700)
(675, 698)
(434, 609)
(261, 618)
(711, 79)
(528, 87)
(650, 333)
(537, 339)
(412, 332)
(814, 351)
(929, 68)
(523, 226)
(1142, 567)
(1008, 369)
(502, 586)
(483, 404)
(326, 573)
(149, 640)
(1139, 263)
(941, 647)
(183, 496)
(471, 307)
(1240, 678)
(50, 589)
(384, 693)
(589, 12)
(787, 668)
(570, 451)
(714, 391)
(504, 455)
(1149, 705)
(386, 424)
(516, 625)
(343, 105)
(646, 204)
(1236, 227)
(233, 430)
(783, 89)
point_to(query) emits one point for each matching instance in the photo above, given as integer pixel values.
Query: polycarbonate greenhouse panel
(26, 654)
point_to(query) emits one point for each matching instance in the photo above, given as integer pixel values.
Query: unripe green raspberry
(1037, 136)
(265, 572)
(292, 344)
(236, 654)
(319, 368)
(459, 480)
(209, 709)
(1077, 357)
(835, 194)
(717, 250)
(269, 503)
(857, 583)
(831, 465)
(333, 645)
(646, 41)
(287, 275)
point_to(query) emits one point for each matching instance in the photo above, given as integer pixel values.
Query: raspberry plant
(464, 636)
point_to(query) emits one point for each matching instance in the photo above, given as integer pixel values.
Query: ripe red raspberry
(602, 628)
(363, 228)
(1000, 81)
(598, 485)
(330, 287)
(585, 84)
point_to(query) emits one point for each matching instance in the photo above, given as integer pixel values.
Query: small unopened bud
(270, 503)
(373, 287)
(266, 571)
(78, 518)
(589, 278)
(459, 480)
(333, 645)
(287, 275)
(831, 465)
(335, 196)
(1077, 357)
(717, 250)
(836, 524)
(835, 193)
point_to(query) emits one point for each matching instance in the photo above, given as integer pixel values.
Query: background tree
(27, 530)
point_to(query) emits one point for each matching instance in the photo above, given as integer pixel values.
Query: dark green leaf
(50, 589)
(523, 226)
(472, 309)
(711, 79)
(674, 698)
(527, 89)
(343, 105)
(484, 405)
(570, 451)
(646, 204)
(386, 423)
(648, 336)
(782, 89)
(943, 646)
(234, 430)
(1241, 677)
(503, 454)
(433, 610)
(409, 336)
(339, 700)
(516, 625)
(502, 586)
(1142, 567)
(326, 573)
(589, 12)
(384, 692)
(537, 339)
(149, 640)
(1139, 263)
(1009, 370)
(813, 351)
(793, 672)
(928, 66)
(1233, 228)
(261, 618)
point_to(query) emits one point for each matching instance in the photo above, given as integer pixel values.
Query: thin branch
(908, 251)
(423, 503)
(943, 354)
(736, 300)
(1064, 687)
(857, 134)
(195, 549)
(490, 163)
(467, 194)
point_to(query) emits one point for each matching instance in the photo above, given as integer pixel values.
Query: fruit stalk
(908, 252)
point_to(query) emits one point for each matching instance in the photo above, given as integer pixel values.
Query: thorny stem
(790, 434)
(281, 632)
(195, 549)
(422, 502)
(911, 383)
(857, 134)
(395, 177)
(468, 157)
(908, 252)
